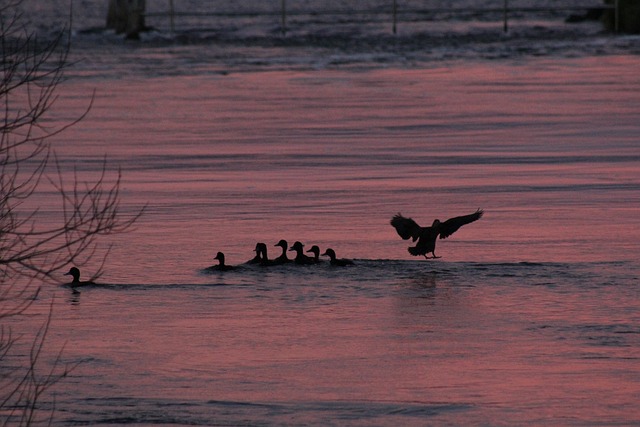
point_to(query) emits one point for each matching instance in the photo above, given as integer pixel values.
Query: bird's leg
(434, 255)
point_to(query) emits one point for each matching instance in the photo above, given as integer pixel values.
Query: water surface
(530, 317)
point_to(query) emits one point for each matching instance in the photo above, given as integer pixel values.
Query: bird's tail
(413, 250)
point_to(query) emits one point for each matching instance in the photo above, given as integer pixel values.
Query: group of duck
(261, 258)
(406, 228)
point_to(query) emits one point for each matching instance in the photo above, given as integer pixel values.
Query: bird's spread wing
(452, 225)
(406, 227)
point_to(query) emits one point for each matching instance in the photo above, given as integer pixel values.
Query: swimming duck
(300, 258)
(426, 236)
(75, 273)
(258, 258)
(315, 250)
(261, 248)
(338, 262)
(221, 265)
(282, 259)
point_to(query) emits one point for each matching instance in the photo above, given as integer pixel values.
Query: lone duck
(426, 236)
(75, 273)
(315, 250)
(300, 258)
(221, 265)
(338, 262)
(282, 259)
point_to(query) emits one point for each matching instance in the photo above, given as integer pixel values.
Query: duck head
(261, 249)
(75, 273)
(297, 246)
(330, 253)
(315, 250)
(220, 257)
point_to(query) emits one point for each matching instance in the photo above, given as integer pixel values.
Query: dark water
(221, 36)
(382, 343)
(530, 317)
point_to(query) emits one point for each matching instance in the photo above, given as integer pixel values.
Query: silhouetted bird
(261, 248)
(315, 250)
(75, 273)
(221, 265)
(258, 258)
(282, 259)
(338, 262)
(426, 236)
(300, 258)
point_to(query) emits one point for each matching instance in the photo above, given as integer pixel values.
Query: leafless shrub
(31, 252)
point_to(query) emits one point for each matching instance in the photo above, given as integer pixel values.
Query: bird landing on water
(407, 228)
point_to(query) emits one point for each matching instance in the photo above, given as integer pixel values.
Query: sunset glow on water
(529, 318)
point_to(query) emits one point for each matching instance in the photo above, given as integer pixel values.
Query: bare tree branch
(31, 250)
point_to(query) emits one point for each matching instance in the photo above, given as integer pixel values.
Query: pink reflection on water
(547, 149)
(328, 158)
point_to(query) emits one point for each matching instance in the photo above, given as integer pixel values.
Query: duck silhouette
(426, 236)
(261, 248)
(74, 272)
(315, 250)
(282, 259)
(221, 264)
(300, 258)
(338, 262)
(258, 258)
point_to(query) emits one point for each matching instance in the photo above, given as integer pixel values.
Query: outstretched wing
(452, 225)
(406, 227)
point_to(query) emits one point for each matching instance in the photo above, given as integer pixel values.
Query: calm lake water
(530, 317)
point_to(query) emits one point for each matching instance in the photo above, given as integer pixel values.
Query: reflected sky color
(530, 317)
(547, 149)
